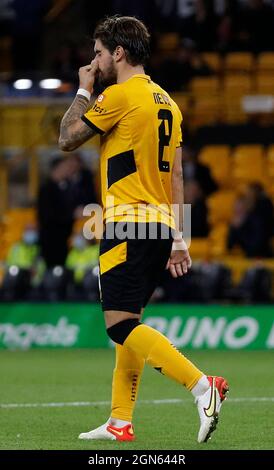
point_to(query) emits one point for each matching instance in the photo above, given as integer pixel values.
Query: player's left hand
(179, 263)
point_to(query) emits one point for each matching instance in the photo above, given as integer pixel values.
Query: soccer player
(141, 174)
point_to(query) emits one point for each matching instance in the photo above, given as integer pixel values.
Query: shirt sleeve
(179, 142)
(107, 110)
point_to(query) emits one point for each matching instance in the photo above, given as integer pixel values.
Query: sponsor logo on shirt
(98, 109)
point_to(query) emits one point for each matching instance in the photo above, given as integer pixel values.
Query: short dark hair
(128, 32)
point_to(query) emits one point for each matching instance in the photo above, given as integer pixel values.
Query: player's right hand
(179, 263)
(87, 75)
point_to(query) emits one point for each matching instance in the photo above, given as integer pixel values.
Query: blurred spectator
(27, 33)
(194, 196)
(68, 58)
(205, 25)
(262, 206)
(55, 284)
(142, 9)
(165, 14)
(248, 229)
(212, 24)
(55, 213)
(255, 285)
(255, 26)
(63, 65)
(21, 263)
(81, 186)
(185, 15)
(76, 20)
(82, 267)
(24, 253)
(81, 257)
(194, 170)
(175, 72)
(7, 18)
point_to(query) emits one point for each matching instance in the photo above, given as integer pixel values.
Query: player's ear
(119, 53)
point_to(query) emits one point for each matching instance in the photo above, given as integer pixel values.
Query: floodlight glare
(50, 83)
(23, 84)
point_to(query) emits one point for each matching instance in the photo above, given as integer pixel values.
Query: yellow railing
(3, 190)
(27, 125)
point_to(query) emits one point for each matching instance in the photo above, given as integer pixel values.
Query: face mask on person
(79, 242)
(30, 237)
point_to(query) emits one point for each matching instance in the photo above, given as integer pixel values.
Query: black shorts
(130, 269)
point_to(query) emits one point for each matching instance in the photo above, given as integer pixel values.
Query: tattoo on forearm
(71, 134)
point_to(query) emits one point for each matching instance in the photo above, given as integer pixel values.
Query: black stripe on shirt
(90, 124)
(119, 166)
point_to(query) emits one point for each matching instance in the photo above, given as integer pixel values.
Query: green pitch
(63, 376)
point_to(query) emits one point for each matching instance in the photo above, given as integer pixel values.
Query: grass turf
(50, 376)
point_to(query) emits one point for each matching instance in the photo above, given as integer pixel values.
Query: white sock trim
(118, 423)
(201, 386)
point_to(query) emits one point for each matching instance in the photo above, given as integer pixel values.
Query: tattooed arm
(73, 131)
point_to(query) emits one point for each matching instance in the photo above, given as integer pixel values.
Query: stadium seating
(168, 42)
(4, 189)
(23, 125)
(182, 101)
(270, 159)
(239, 62)
(220, 206)
(270, 171)
(237, 84)
(13, 224)
(265, 84)
(249, 164)
(213, 60)
(78, 225)
(217, 157)
(234, 88)
(217, 240)
(201, 86)
(199, 248)
(233, 112)
(205, 110)
(265, 62)
(239, 265)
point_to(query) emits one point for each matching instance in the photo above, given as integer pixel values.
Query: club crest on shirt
(100, 98)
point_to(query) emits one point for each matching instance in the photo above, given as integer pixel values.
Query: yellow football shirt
(140, 127)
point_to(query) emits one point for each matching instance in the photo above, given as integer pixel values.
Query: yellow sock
(126, 379)
(160, 353)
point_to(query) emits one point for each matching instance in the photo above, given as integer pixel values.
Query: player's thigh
(156, 267)
(112, 317)
(121, 277)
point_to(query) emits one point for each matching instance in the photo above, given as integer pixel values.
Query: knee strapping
(120, 331)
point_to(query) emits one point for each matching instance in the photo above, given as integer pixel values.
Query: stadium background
(216, 58)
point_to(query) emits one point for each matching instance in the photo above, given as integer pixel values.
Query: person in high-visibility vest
(24, 253)
(82, 257)
(24, 268)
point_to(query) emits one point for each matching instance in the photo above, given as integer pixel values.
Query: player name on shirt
(161, 98)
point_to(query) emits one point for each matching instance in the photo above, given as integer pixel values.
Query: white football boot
(99, 433)
(209, 405)
(110, 432)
